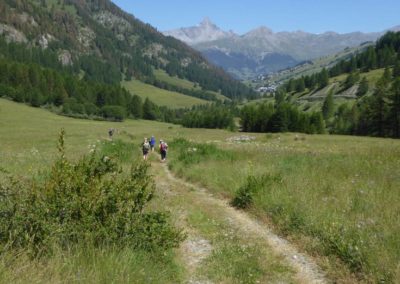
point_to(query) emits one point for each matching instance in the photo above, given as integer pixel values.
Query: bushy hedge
(88, 201)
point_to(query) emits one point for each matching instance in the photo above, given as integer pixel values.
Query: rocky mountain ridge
(262, 50)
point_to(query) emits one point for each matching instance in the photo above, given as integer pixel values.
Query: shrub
(72, 106)
(88, 201)
(244, 195)
(117, 113)
(90, 108)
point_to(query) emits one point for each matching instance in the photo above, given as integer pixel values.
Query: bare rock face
(65, 58)
(86, 36)
(12, 34)
(44, 40)
(204, 32)
(27, 19)
(107, 19)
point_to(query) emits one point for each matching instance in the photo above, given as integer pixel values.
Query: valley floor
(334, 197)
(225, 245)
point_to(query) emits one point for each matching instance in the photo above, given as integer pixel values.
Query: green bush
(117, 113)
(245, 194)
(88, 201)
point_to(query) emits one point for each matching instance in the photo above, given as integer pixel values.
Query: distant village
(268, 86)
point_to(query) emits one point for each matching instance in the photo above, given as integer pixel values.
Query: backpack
(146, 146)
(163, 146)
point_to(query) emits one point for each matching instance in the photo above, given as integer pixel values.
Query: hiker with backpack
(145, 148)
(111, 133)
(152, 143)
(163, 150)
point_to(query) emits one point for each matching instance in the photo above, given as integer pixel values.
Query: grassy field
(163, 76)
(161, 97)
(337, 196)
(28, 146)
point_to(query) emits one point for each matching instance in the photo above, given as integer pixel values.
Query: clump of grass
(193, 153)
(118, 149)
(254, 184)
(236, 263)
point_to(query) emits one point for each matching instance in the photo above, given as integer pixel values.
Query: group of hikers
(149, 145)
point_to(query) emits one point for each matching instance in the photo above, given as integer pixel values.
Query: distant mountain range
(262, 51)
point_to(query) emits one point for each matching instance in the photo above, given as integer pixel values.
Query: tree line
(282, 117)
(38, 86)
(216, 115)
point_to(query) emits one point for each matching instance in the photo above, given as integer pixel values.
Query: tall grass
(342, 193)
(91, 265)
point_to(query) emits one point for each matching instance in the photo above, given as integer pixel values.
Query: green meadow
(28, 148)
(335, 197)
(161, 97)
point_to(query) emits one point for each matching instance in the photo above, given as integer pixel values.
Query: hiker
(111, 133)
(163, 150)
(145, 148)
(152, 143)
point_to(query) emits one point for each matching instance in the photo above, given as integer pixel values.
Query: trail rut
(306, 271)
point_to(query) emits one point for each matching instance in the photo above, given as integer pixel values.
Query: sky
(241, 16)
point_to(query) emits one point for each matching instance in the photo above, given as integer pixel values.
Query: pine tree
(351, 79)
(362, 88)
(279, 97)
(371, 61)
(323, 79)
(149, 110)
(300, 85)
(378, 107)
(317, 123)
(135, 107)
(328, 106)
(396, 69)
(386, 77)
(394, 108)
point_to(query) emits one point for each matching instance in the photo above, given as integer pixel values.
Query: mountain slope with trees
(105, 44)
(369, 82)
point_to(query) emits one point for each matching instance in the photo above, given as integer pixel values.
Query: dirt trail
(306, 270)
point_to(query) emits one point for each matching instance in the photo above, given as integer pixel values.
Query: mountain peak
(205, 31)
(206, 22)
(260, 32)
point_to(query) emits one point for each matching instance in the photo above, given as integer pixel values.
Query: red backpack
(163, 146)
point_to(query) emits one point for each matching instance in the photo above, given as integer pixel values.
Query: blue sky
(280, 15)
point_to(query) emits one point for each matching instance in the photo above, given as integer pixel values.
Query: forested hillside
(373, 103)
(105, 44)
